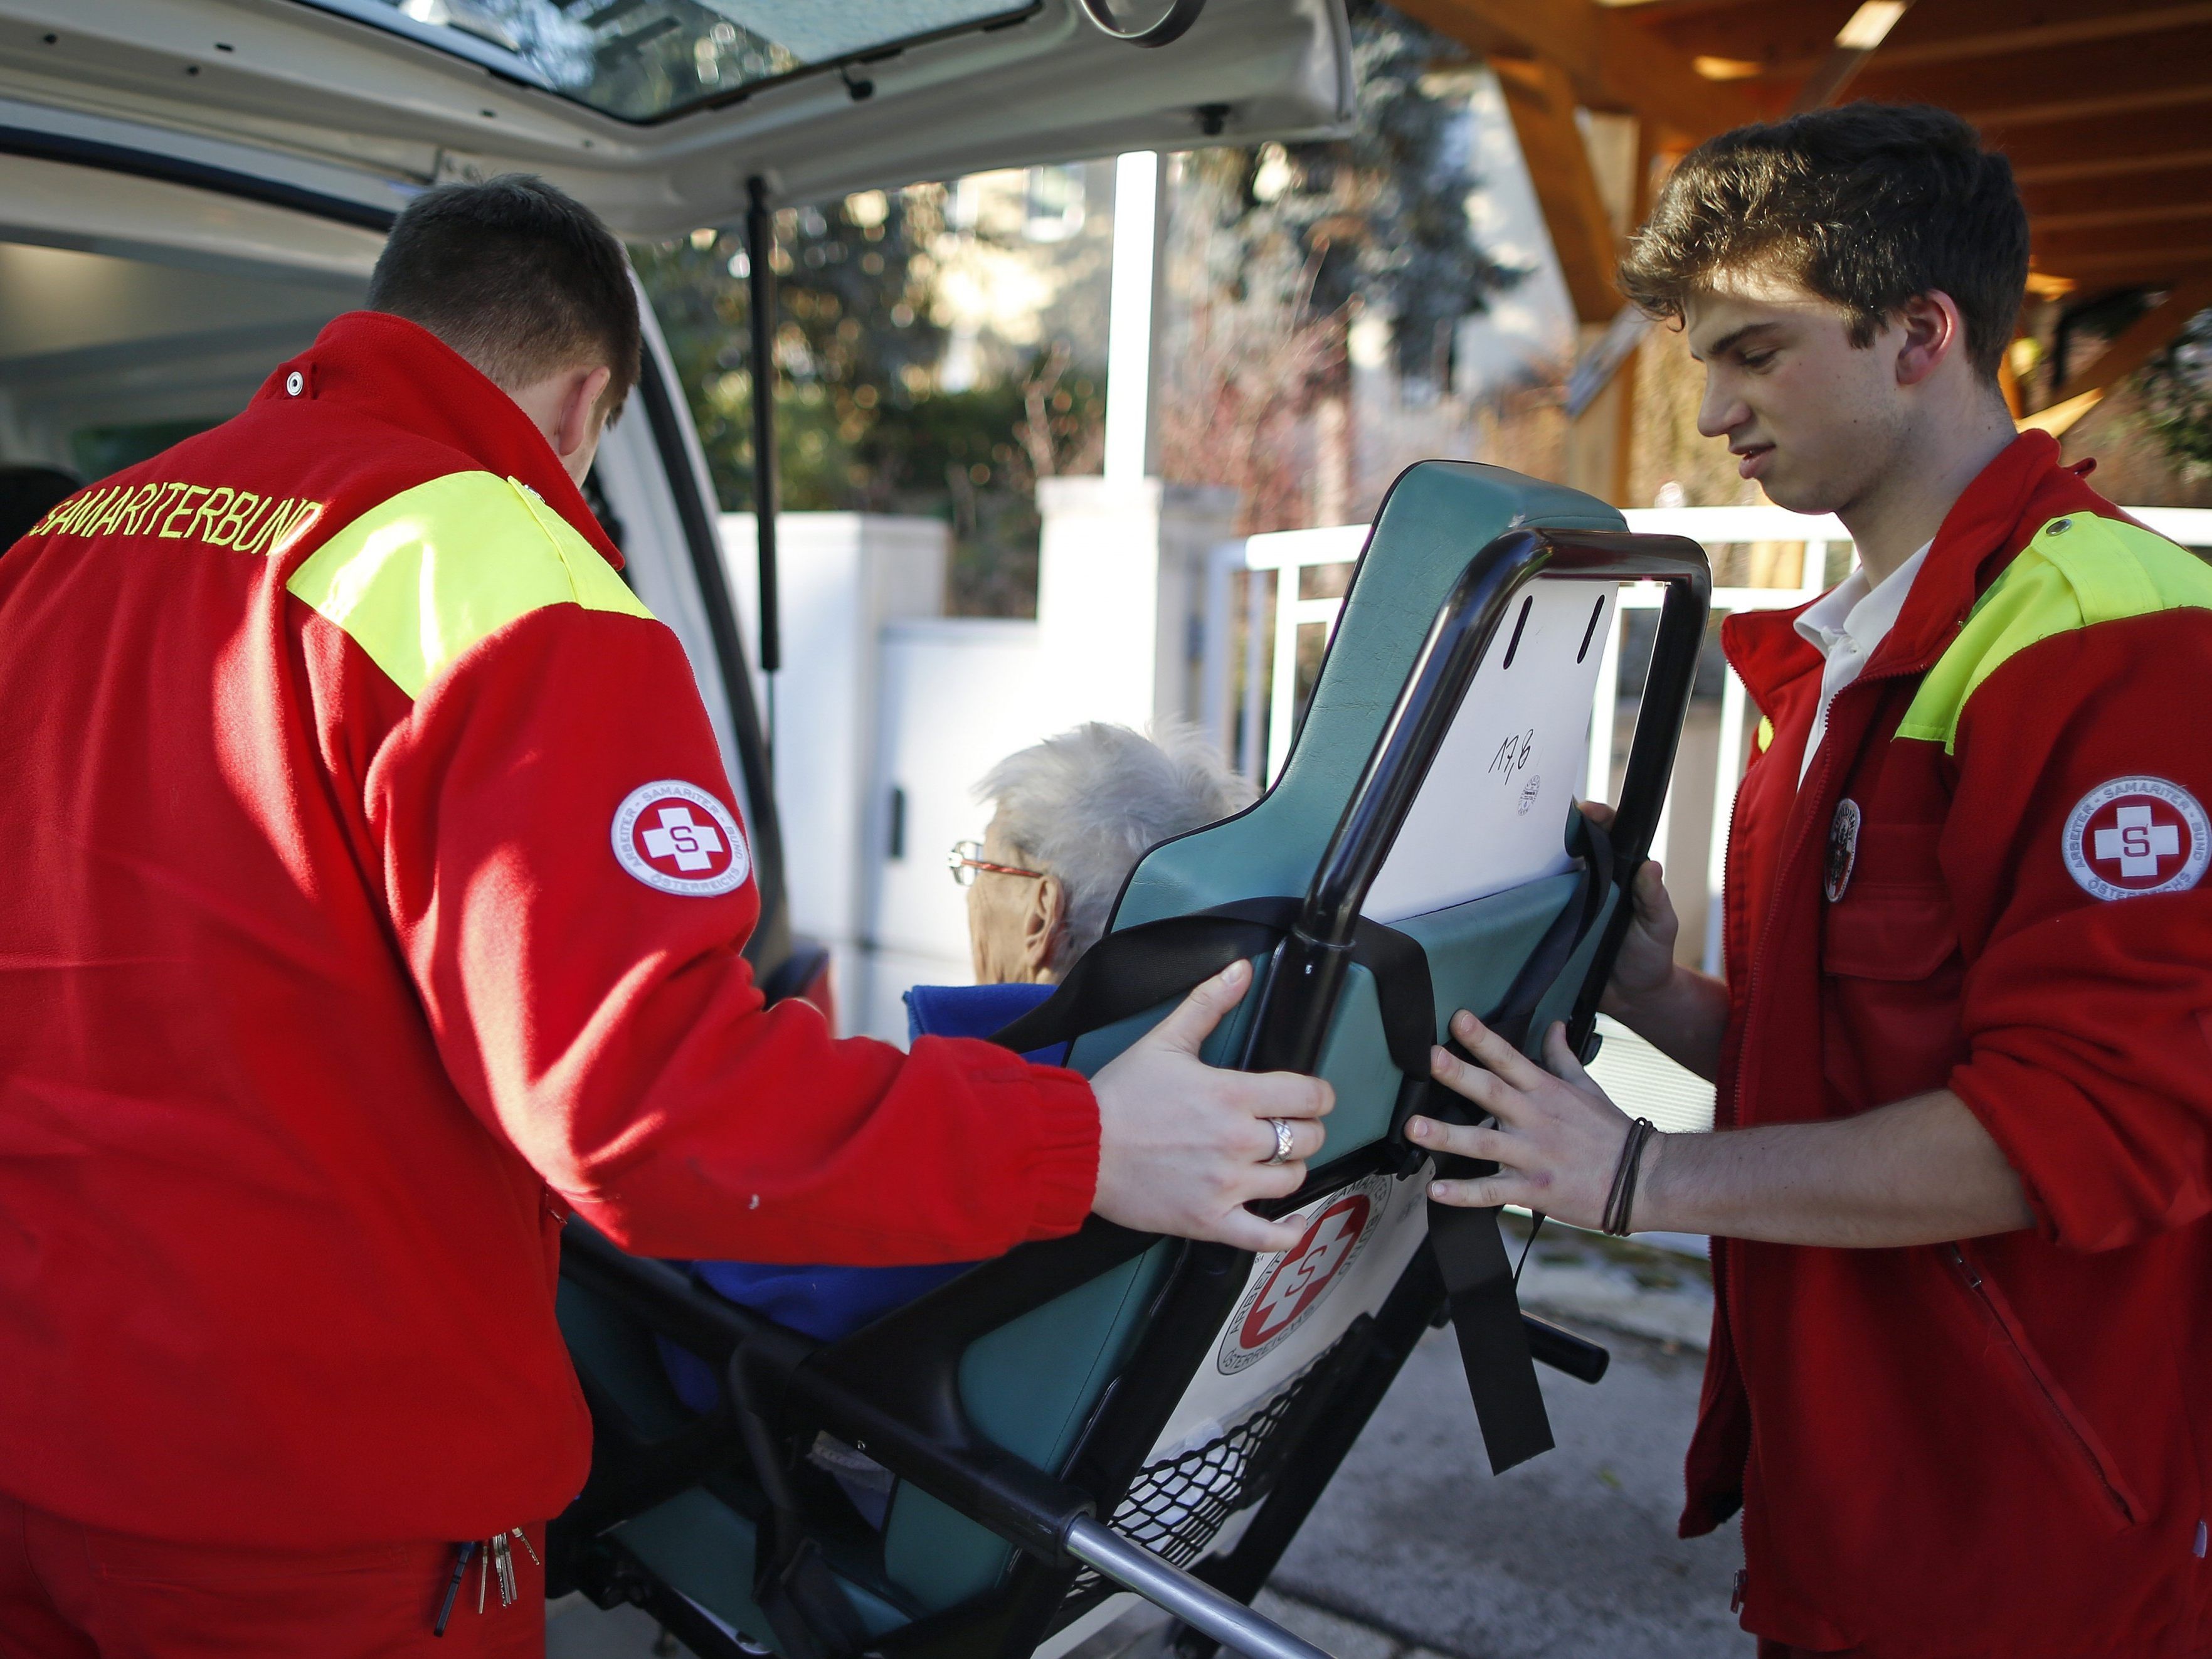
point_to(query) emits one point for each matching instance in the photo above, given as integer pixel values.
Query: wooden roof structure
(2104, 106)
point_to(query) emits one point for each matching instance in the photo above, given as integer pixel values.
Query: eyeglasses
(966, 858)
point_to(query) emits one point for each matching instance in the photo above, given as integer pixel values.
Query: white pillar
(843, 577)
(1138, 201)
(1120, 580)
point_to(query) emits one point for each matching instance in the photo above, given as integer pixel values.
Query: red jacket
(2004, 1446)
(374, 897)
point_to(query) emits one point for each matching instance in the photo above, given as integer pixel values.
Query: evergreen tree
(862, 424)
(1380, 218)
(2176, 396)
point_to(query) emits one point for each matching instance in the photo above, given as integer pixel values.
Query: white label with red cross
(2136, 836)
(1281, 1299)
(677, 838)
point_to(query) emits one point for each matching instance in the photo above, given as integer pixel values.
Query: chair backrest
(1487, 876)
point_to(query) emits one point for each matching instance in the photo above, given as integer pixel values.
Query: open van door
(657, 111)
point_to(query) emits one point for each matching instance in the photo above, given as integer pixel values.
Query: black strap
(1139, 968)
(1470, 1252)
(1493, 1344)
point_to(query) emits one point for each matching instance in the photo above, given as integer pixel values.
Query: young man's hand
(1646, 961)
(1678, 1010)
(1558, 1139)
(1183, 1146)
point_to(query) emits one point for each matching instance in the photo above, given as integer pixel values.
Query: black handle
(1563, 1350)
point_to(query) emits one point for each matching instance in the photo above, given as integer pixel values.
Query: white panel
(1492, 813)
(957, 698)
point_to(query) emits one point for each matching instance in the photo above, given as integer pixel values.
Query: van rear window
(646, 60)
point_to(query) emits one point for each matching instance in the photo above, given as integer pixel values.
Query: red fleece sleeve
(611, 1030)
(2089, 939)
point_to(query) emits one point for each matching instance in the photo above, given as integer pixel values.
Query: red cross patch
(677, 838)
(2136, 836)
(1284, 1296)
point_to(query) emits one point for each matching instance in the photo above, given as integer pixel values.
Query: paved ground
(1418, 1552)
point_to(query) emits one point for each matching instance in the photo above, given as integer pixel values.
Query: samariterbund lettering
(217, 515)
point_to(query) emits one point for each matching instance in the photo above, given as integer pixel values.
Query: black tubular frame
(893, 1388)
(1308, 972)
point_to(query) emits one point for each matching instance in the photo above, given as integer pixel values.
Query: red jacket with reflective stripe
(328, 991)
(1997, 1448)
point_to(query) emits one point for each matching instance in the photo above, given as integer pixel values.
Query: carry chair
(931, 1486)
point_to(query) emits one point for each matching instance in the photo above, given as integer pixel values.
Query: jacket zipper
(2081, 1447)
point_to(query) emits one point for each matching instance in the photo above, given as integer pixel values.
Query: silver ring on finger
(1282, 1153)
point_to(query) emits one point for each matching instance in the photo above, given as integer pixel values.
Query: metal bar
(760, 282)
(1249, 761)
(1714, 525)
(1727, 767)
(1644, 597)
(1282, 715)
(1813, 572)
(1204, 1608)
(1605, 706)
(1213, 643)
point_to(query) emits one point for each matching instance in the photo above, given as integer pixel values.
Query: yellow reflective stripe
(1764, 740)
(2077, 571)
(418, 580)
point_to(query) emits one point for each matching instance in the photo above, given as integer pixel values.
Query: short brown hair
(1867, 206)
(520, 279)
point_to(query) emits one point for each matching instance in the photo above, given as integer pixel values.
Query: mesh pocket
(1175, 1507)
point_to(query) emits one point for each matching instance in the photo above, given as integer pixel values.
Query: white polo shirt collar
(1846, 625)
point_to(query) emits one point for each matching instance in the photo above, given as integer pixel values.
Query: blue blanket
(826, 1303)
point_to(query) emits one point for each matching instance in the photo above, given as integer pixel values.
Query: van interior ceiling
(106, 358)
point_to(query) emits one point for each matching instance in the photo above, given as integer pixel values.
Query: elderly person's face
(1013, 921)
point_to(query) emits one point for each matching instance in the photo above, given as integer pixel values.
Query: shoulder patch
(2075, 572)
(2135, 836)
(418, 580)
(678, 838)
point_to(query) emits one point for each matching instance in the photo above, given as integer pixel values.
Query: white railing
(1268, 710)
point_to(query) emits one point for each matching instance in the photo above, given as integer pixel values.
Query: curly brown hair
(1867, 206)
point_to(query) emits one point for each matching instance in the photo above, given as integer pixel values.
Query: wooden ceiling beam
(1946, 31)
(2140, 342)
(2112, 77)
(2137, 272)
(1612, 62)
(2045, 152)
(2145, 190)
(2062, 248)
(2116, 168)
(2098, 273)
(2143, 224)
(1788, 39)
(1541, 100)
(1752, 31)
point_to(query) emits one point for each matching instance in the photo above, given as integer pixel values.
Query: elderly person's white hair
(1087, 805)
